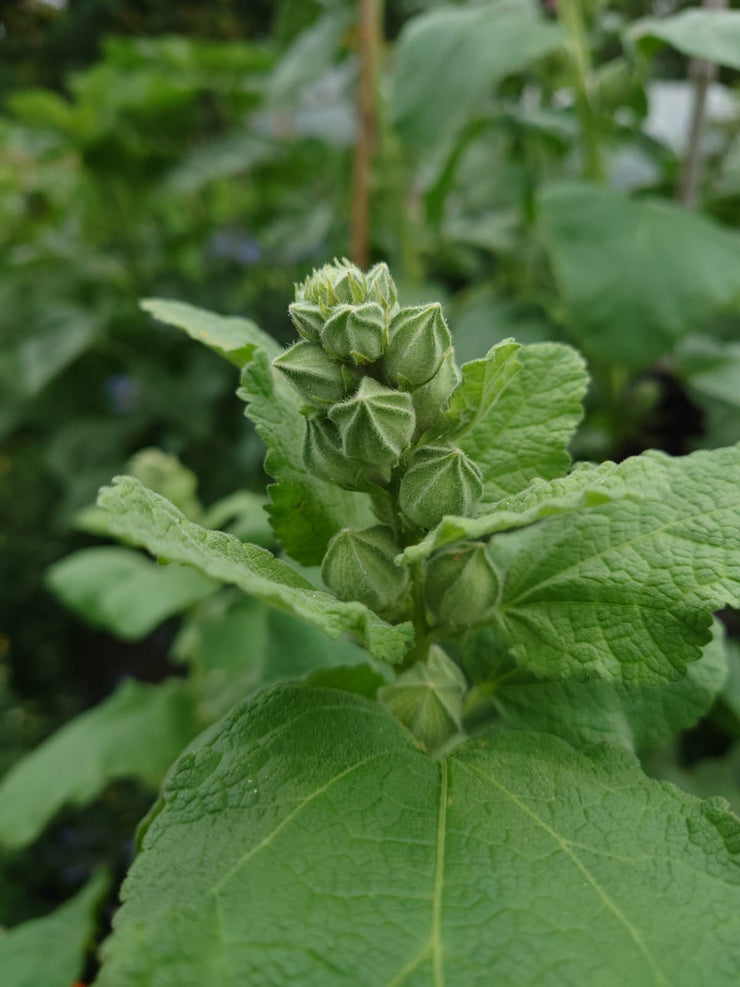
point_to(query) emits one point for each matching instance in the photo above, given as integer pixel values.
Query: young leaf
(341, 849)
(515, 412)
(149, 520)
(625, 590)
(634, 292)
(230, 336)
(51, 951)
(713, 35)
(135, 733)
(585, 487)
(124, 592)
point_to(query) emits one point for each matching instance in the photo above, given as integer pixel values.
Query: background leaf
(135, 733)
(713, 35)
(337, 838)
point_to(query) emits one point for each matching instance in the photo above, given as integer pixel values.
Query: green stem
(571, 14)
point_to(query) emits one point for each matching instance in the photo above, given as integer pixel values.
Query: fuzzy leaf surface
(341, 854)
(631, 296)
(124, 592)
(136, 733)
(51, 951)
(625, 591)
(151, 521)
(515, 413)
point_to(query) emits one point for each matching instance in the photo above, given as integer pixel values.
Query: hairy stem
(571, 14)
(369, 26)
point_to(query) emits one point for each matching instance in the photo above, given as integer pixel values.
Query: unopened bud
(313, 373)
(338, 283)
(323, 457)
(356, 333)
(381, 287)
(431, 399)
(427, 699)
(375, 425)
(461, 586)
(418, 341)
(308, 319)
(440, 480)
(359, 565)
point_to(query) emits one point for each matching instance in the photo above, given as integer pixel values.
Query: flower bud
(440, 480)
(340, 282)
(427, 698)
(431, 399)
(375, 425)
(461, 586)
(359, 565)
(356, 333)
(308, 319)
(313, 373)
(381, 287)
(323, 457)
(418, 341)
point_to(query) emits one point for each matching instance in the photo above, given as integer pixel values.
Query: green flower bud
(356, 333)
(427, 699)
(375, 425)
(308, 319)
(461, 586)
(334, 284)
(440, 480)
(323, 457)
(359, 565)
(431, 399)
(418, 342)
(381, 287)
(313, 373)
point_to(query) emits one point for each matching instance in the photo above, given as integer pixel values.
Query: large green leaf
(635, 276)
(713, 35)
(625, 590)
(595, 711)
(124, 592)
(135, 733)
(515, 413)
(449, 58)
(146, 519)
(231, 336)
(340, 854)
(51, 951)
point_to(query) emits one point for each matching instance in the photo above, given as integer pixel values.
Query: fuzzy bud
(431, 399)
(440, 480)
(381, 287)
(460, 586)
(313, 373)
(359, 565)
(427, 699)
(356, 333)
(418, 341)
(323, 457)
(375, 425)
(308, 319)
(338, 283)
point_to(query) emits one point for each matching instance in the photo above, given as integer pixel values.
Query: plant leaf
(124, 592)
(516, 421)
(585, 487)
(230, 336)
(148, 520)
(449, 58)
(713, 35)
(342, 854)
(305, 512)
(631, 295)
(136, 733)
(50, 951)
(625, 590)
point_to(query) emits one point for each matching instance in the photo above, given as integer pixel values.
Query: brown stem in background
(369, 15)
(703, 74)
